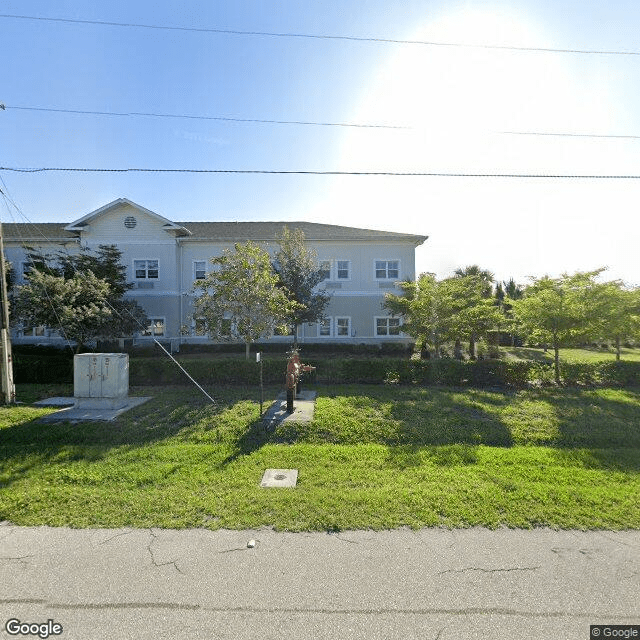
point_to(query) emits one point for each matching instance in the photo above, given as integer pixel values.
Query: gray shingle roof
(269, 230)
(222, 231)
(40, 231)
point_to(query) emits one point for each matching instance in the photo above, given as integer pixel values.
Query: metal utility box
(101, 380)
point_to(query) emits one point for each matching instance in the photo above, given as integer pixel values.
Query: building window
(387, 269)
(343, 327)
(146, 269)
(387, 326)
(325, 269)
(199, 270)
(343, 268)
(155, 328)
(199, 327)
(324, 327)
(33, 331)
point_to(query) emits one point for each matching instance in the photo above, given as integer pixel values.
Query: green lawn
(591, 354)
(374, 457)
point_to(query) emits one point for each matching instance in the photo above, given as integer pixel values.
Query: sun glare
(466, 109)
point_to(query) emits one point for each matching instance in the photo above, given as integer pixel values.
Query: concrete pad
(58, 401)
(303, 409)
(76, 414)
(280, 478)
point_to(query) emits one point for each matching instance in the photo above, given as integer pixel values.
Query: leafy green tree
(423, 309)
(298, 276)
(240, 299)
(77, 306)
(438, 311)
(473, 310)
(618, 310)
(559, 311)
(127, 315)
(81, 295)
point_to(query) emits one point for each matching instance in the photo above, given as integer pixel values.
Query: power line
(352, 38)
(203, 117)
(302, 122)
(434, 174)
(570, 135)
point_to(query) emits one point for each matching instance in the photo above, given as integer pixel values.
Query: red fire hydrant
(294, 375)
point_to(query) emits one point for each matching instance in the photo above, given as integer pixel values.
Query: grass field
(591, 354)
(374, 457)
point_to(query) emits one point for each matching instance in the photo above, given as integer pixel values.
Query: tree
(478, 282)
(128, 316)
(240, 298)
(438, 311)
(473, 312)
(298, 273)
(78, 306)
(619, 313)
(423, 310)
(505, 291)
(559, 311)
(81, 295)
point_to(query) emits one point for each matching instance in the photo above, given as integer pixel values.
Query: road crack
(481, 569)
(155, 563)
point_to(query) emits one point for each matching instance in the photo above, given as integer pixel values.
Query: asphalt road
(428, 584)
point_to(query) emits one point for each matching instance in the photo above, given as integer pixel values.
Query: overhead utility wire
(434, 174)
(200, 117)
(275, 34)
(301, 122)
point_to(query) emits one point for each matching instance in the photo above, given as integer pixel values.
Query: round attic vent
(130, 222)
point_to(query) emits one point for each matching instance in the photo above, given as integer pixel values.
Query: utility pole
(6, 361)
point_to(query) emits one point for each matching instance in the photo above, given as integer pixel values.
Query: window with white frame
(343, 269)
(324, 266)
(343, 327)
(155, 328)
(146, 269)
(324, 328)
(387, 269)
(199, 269)
(387, 326)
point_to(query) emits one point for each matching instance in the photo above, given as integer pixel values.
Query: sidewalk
(427, 584)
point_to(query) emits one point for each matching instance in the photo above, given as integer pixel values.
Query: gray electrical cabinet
(101, 380)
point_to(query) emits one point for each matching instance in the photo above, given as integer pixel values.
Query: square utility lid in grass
(279, 478)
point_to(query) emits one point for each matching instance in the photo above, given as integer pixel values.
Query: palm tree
(486, 279)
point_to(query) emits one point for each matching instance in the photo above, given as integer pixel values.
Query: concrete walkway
(428, 584)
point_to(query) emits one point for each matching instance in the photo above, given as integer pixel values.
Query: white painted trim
(387, 260)
(146, 279)
(336, 279)
(151, 321)
(387, 336)
(330, 335)
(349, 329)
(193, 269)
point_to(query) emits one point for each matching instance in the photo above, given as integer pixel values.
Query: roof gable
(86, 220)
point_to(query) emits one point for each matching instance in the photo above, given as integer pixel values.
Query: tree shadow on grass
(28, 444)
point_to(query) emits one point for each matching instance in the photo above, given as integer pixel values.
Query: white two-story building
(165, 258)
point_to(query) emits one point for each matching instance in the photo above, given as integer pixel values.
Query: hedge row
(483, 373)
(447, 372)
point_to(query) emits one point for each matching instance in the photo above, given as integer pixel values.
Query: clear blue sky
(465, 108)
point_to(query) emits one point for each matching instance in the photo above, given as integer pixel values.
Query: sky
(485, 96)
